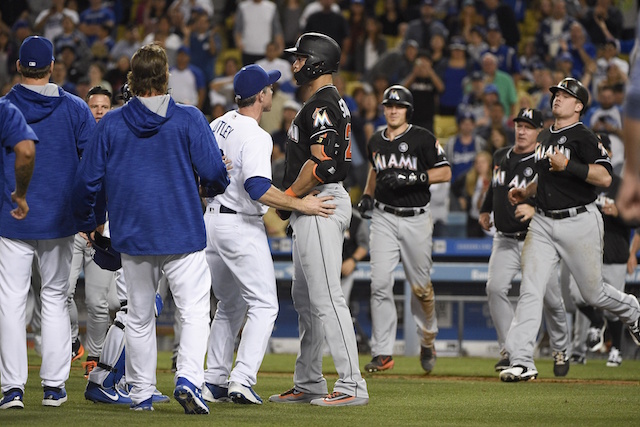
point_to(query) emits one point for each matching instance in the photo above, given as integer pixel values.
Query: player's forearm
(279, 200)
(25, 160)
(531, 190)
(631, 130)
(370, 186)
(359, 254)
(306, 180)
(441, 174)
(599, 176)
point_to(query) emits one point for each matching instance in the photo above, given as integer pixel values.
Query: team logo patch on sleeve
(321, 118)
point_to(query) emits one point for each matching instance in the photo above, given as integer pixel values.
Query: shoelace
(559, 357)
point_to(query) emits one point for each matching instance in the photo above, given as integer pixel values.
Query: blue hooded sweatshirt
(151, 167)
(64, 125)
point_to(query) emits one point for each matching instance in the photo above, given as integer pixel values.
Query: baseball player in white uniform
(243, 278)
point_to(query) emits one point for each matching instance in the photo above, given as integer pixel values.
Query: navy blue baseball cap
(252, 79)
(36, 52)
(104, 255)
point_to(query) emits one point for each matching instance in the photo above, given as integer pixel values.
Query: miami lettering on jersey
(499, 177)
(293, 133)
(321, 118)
(542, 151)
(402, 161)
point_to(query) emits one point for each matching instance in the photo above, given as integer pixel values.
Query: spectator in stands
(369, 49)
(564, 64)
(603, 22)
(462, 23)
(59, 77)
(256, 24)
(529, 61)
(425, 86)
(49, 21)
(476, 44)
(93, 18)
(471, 189)
(149, 12)
(552, 31)
(371, 114)
(497, 12)
(503, 82)
(273, 61)
(96, 74)
(357, 31)
(186, 81)
(581, 49)
(128, 44)
(332, 24)
(472, 101)
(271, 120)
(71, 36)
(606, 119)
(279, 136)
(427, 25)
(391, 18)
(608, 55)
(497, 138)
(313, 7)
(104, 42)
(396, 64)
(461, 149)
(498, 119)
(205, 43)
(188, 8)
(539, 92)
(21, 29)
(7, 49)
(507, 56)
(453, 71)
(221, 88)
(76, 67)
(290, 13)
(164, 37)
(490, 97)
(117, 76)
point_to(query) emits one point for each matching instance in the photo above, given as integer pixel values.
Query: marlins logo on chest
(321, 118)
(543, 150)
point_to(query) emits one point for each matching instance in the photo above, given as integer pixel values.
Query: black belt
(564, 213)
(402, 212)
(520, 235)
(224, 209)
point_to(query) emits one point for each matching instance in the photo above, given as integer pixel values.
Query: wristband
(289, 192)
(578, 169)
(566, 162)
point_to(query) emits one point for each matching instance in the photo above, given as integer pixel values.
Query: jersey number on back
(347, 129)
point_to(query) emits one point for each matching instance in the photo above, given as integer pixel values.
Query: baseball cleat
(215, 393)
(54, 396)
(97, 394)
(560, 363)
(12, 399)
(77, 350)
(379, 363)
(578, 359)
(595, 337)
(340, 399)
(634, 330)
(615, 358)
(295, 396)
(427, 358)
(158, 397)
(518, 373)
(243, 394)
(190, 397)
(145, 405)
(502, 364)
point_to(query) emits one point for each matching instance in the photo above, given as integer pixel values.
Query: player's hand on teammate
(517, 195)
(610, 209)
(365, 205)
(312, 204)
(557, 161)
(348, 266)
(524, 212)
(485, 221)
(23, 207)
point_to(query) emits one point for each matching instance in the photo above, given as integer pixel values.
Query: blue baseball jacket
(151, 167)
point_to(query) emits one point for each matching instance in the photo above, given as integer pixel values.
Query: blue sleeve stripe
(256, 186)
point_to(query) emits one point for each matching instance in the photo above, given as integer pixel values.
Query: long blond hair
(472, 176)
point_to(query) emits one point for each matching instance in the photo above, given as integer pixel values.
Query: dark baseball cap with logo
(531, 116)
(36, 52)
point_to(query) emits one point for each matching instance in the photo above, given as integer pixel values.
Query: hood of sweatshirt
(34, 106)
(143, 122)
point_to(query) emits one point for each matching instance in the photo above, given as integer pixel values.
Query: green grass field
(461, 391)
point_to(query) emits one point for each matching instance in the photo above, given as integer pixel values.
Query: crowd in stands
(470, 65)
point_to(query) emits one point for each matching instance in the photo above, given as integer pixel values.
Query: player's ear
(581, 105)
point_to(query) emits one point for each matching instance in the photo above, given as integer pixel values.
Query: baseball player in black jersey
(405, 159)
(318, 156)
(514, 167)
(571, 162)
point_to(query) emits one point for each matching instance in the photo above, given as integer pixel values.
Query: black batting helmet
(322, 53)
(399, 95)
(574, 88)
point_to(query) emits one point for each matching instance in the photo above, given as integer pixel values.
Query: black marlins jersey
(325, 112)
(416, 150)
(562, 190)
(510, 170)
